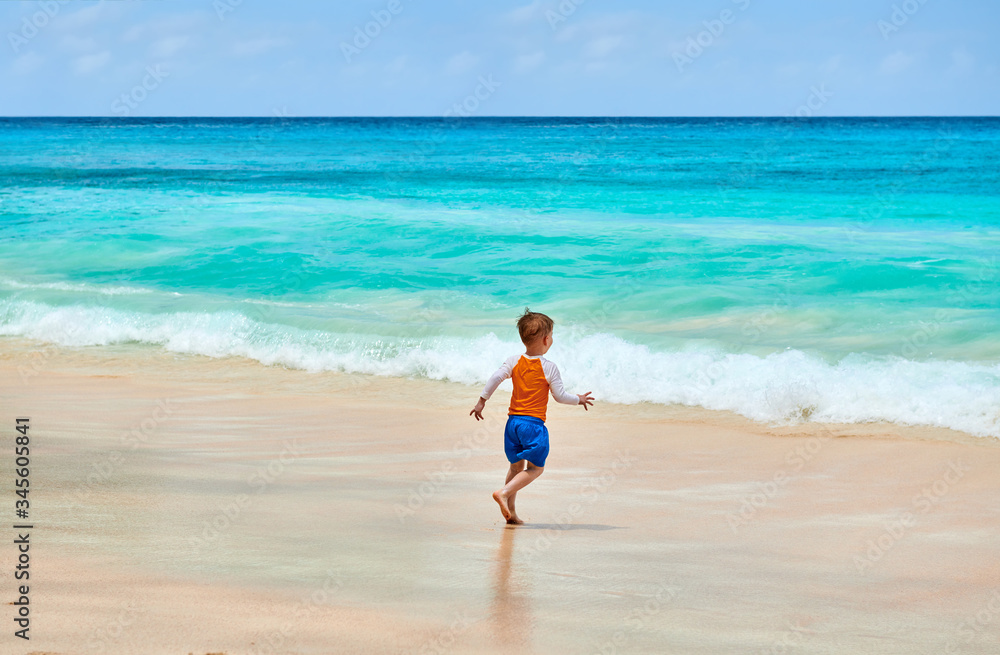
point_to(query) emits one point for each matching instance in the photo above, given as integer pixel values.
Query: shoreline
(176, 489)
(118, 360)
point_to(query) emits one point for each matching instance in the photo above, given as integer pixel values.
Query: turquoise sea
(841, 270)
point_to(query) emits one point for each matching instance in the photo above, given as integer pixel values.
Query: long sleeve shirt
(534, 378)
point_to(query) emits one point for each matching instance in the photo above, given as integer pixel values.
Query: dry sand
(188, 505)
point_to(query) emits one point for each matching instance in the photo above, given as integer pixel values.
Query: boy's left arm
(554, 378)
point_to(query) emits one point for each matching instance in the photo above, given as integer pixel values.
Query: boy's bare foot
(502, 502)
(513, 520)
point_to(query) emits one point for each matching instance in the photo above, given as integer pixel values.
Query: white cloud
(461, 63)
(167, 47)
(89, 63)
(256, 46)
(27, 63)
(602, 46)
(897, 62)
(597, 27)
(73, 21)
(169, 26)
(527, 63)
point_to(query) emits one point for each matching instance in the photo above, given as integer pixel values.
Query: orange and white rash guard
(534, 377)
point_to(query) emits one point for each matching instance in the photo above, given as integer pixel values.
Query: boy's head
(533, 327)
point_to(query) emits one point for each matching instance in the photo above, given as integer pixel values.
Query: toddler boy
(526, 439)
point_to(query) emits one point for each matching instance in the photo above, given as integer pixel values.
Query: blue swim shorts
(526, 437)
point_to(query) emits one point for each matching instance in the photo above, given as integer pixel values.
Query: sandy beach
(184, 504)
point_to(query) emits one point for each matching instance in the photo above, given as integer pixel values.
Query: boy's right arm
(501, 374)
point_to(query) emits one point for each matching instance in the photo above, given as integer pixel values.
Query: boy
(526, 440)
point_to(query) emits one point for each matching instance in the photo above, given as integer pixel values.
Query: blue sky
(548, 57)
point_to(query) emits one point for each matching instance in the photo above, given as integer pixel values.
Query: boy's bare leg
(515, 468)
(518, 481)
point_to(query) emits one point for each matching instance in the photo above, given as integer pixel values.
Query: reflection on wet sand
(510, 612)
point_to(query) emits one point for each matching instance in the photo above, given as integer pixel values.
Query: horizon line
(499, 116)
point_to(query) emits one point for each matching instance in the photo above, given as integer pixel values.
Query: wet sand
(184, 504)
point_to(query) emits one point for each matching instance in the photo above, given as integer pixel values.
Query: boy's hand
(477, 411)
(585, 399)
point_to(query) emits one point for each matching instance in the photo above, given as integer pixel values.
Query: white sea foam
(76, 287)
(782, 387)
